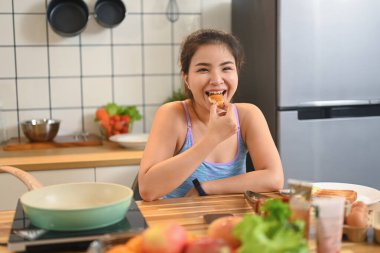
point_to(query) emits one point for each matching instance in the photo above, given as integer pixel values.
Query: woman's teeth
(209, 93)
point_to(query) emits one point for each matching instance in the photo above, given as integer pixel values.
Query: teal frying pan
(72, 206)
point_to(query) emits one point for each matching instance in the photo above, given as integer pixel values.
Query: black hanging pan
(109, 13)
(67, 17)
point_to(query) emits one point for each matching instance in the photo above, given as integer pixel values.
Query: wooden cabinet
(12, 188)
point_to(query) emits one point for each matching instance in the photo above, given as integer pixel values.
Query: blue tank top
(208, 170)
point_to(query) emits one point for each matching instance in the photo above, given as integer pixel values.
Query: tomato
(125, 129)
(118, 125)
(125, 118)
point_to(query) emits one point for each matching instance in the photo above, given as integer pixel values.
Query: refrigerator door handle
(338, 109)
(330, 103)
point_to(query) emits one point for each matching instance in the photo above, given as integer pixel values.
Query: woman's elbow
(277, 181)
(146, 194)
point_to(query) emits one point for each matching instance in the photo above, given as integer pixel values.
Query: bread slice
(350, 195)
(217, 99)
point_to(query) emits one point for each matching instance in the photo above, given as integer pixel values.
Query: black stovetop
(53, 241)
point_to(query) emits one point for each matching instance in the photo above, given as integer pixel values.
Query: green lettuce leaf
(272, 233)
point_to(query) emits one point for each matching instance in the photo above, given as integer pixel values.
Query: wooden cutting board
(64, 141)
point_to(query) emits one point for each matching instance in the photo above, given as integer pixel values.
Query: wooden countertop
(108, 154)
(189, 212)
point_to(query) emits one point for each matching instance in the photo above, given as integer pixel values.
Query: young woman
(198, 139)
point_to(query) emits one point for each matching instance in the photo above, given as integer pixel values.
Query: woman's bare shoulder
(173, 110)
(247, 109)
(169, 117)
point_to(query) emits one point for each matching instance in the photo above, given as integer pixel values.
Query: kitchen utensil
(72, 206)
(172, 11)
(40, 129)
(109, 13)
(67, 17)
(255, 200)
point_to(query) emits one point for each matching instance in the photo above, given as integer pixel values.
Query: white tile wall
(136, 63)
(127, 60)
(6, 29)
(32, 62)
(157, 89)
(30, 6)
(65, 92)
(8, 62)
(128, 89)
(129, 31)
(33, 93)
(71, 120)
(30, 29)
(6, 6)
(157, 29)
(97, 91)
(8, 94)
(64, 61)
(157, 59)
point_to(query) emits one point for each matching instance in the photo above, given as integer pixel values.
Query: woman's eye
(202, 70)
(227, 68)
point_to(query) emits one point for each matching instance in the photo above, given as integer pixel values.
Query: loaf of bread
(350, 195)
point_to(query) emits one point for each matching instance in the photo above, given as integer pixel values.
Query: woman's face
(212, 69)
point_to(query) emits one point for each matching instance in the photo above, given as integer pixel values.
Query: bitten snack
(216, 98)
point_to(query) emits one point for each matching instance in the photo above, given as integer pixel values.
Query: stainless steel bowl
(39, 130)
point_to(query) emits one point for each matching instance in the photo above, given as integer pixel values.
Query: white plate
(132, 141)
(366, 194)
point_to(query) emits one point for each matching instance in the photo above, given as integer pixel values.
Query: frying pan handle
(30, 181)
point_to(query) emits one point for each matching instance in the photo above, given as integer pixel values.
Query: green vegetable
(273, 233)
(112, 109)
(131, 111)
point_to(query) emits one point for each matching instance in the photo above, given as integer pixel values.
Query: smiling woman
(205, 139)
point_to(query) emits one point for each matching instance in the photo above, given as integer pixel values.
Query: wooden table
(189, 212)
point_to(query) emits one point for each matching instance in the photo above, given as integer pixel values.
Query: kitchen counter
(108, 154)
(189, 212)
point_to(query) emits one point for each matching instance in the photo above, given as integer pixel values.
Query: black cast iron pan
(67, 17)
(109, 13)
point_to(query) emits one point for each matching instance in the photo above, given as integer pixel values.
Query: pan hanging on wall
(67, 17)
(109, 13)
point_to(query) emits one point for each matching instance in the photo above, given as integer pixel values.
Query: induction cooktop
(25, 237)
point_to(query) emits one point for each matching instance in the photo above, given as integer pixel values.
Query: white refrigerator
(313, 67)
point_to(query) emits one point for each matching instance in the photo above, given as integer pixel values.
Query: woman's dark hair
(206, 37)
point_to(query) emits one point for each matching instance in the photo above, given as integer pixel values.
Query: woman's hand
(221, 125)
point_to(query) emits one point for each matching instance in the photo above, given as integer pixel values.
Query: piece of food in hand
(164, 238)
(222, 228)
(350, 195)
(216, 97)
(358, 216)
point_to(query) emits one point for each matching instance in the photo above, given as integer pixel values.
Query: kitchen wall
(45, 75)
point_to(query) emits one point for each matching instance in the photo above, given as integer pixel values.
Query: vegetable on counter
(116, 119)
(273, 232)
